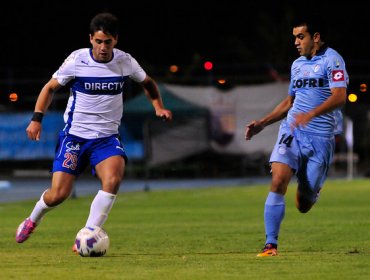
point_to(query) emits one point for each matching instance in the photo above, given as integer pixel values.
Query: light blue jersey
(309, 150)
(311, 81)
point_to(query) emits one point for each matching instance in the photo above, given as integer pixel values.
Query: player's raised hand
(252, 129)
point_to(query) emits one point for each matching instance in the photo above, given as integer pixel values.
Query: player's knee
(116, 180)
(112, 184)
(279, 184)
(54, 198)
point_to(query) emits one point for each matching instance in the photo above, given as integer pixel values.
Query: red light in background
(208, 65)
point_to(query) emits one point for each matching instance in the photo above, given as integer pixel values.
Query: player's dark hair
(105, 22)
(314, 23)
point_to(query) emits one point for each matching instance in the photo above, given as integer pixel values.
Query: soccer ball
(92, 242)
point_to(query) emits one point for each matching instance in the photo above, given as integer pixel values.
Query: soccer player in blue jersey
(306, 138)
(96, 77)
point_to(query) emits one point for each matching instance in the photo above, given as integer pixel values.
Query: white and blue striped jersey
(310, 84)
(95, 104)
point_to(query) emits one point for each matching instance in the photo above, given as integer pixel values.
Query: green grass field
(205, 233)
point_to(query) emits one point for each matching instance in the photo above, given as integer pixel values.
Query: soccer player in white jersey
(306, 139)
(96, 77)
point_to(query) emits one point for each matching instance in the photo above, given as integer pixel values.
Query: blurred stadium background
(206, 138)
(217, 69)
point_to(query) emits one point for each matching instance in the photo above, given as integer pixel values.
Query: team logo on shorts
(71, 156)
(70, 147)
(120, 148)
(282, 150)
(338, 75)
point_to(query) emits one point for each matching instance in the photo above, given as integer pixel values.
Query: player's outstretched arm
(152, 92)
(278, 113)
(252, 129)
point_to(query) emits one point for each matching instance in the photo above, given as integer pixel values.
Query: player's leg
(305, 198)
(283, 160)
(108, 160)
(60, 189)
(69, 162)
(311, 177)
(309, 186)
(274, 210)
(110, 171)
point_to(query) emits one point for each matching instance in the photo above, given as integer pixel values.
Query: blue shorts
(308, 155)
(73, 153)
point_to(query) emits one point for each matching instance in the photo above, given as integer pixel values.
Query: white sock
(40, 210)
(100, 208)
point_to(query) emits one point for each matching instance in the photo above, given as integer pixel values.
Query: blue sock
(274, 214)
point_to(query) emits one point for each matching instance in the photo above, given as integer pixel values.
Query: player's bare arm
(152, 92)
(253, 128)
(336, 100)
(42, 104)
(279, 112)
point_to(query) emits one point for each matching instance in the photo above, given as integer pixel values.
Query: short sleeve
(66, 71)
(138, 73)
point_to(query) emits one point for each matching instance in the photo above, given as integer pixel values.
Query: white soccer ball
(92, 242)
